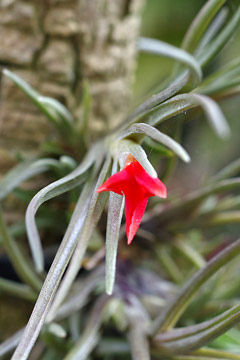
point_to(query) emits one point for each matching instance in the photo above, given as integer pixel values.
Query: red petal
(116, 182)
(134, 213)
(153, 186)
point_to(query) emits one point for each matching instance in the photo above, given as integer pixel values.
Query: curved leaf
(53, 277)
(161, 48)
(68, 182)
(176, 307)
(199, 335)
(92, 216)
(24, 171)
(90, 335)
(184, 102)
(200, 24)
(157, 135)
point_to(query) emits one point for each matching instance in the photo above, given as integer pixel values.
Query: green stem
(19, 262)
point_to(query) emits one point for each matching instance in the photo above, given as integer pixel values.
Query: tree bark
(55, 45)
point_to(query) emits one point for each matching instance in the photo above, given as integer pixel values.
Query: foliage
(151, 308)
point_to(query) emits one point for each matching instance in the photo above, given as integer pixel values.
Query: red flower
(137, 186)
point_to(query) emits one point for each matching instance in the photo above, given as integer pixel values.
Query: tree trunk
(55, 45)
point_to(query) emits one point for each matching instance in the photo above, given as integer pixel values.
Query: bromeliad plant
(143, 300)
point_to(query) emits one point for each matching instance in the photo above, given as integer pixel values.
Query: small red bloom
(137, 186)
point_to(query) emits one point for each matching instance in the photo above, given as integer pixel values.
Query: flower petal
(153, 186)
(116, 182)
(134, 213)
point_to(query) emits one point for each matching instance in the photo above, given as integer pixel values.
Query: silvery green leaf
(200, 24)
(157, 135)
(16, 289)
(90, 335)
(53, 277)
(161, 48)
(68, 182)
(78, 298)
(183, 102)
(181, 208)
(19, 260)
(9, 344)
(92, 216)
(56, 330)
(214, 47)
(125, 147)
(176, 307)
(58, 107)
(175, 86)
(213, 29)
(23, 171)
(184, 340)
(138, 329)
(115, 213)
(230, 170)
(30, 92)
(54, 111)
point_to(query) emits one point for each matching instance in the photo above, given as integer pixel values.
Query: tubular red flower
(137, 186)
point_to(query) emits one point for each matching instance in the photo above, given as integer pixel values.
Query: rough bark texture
(55, 45)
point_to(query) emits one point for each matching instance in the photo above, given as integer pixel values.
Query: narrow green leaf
(68, 182)
(169, 264)
(181, 208)
(230, 170)
(30, 92)
(161, 48)
(90, 335)
(92, 216)
(16, 289)
(200, 24)
(190, 253)
(223, 218)
(53, 277)
(55, 111)
(138, 335)
(9, 344)
(214, 47)
(115, 213)
(79, 297)
(55, 105)
(56, 330)
(213, 29)
(24, 171)
(156, 135)
(176, 307)
(157, 98)
(217, 354)
(183, 102)
(183, 332)
(193, 338)
(20, 263)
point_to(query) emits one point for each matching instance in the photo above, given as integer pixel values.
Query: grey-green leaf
(23, 171)
(161, 48)
(58, 187)
(157, 135)
(115, 212)
(176, 307)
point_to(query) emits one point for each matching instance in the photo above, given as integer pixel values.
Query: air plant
(153, 306)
